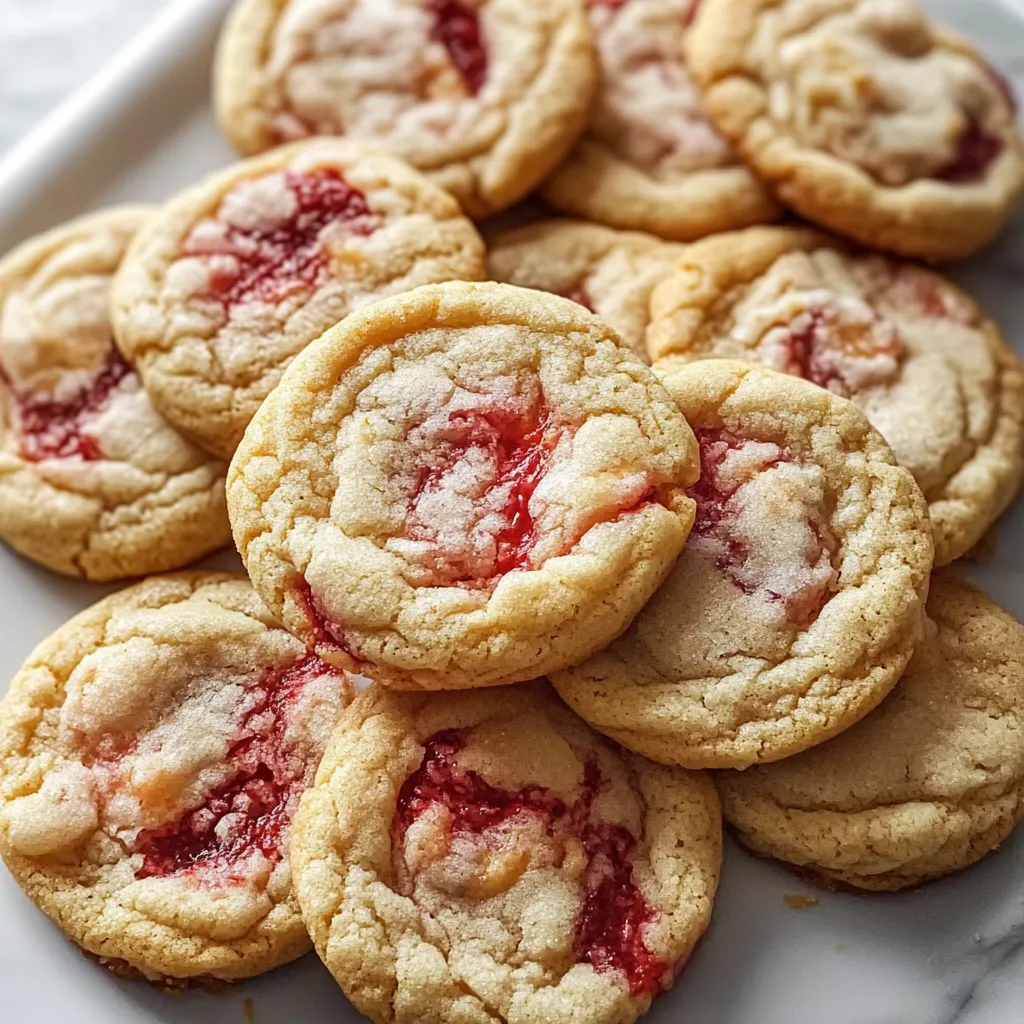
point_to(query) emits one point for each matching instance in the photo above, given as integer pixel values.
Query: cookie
(865, 117)
(222, 287)
(93, 481)
(484, 96)
(932, 373)
(927, 784)
(476, 857)
(797, 600)
(650, 160)
(152, 755)
(463, 486)
(612, 273)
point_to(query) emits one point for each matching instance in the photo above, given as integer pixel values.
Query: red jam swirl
(51, 428)
(457, 27)
(519, 446)
(823, 348)
(712, 499)
(286, 258)
(609, 929)
(252, 810)
(324, 630)
(714, 523)
(976, 151)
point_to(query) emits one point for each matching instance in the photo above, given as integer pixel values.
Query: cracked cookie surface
(795, 605)
(483, 96)
(229, 280)
(485, 857)
(865, 117)
(611, 273)
(927, 784)
(650, 160)
(152, 754)
(932, 373)
(93, 481)
(463, 486)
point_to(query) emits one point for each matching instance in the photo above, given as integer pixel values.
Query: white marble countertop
(48, 48)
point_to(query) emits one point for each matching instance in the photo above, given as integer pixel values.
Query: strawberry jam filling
(494, 456)
(56, 428)
(844, 348)
(614, 914)
(325, 630)
(457, 27)
(976, 151)
(251, 811)
(790, 565)
(712, 497)
(274, 259)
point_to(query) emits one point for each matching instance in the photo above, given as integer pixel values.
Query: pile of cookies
(618, 533)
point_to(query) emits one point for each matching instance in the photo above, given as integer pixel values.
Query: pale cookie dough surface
(463, 486)
(611, 273)
(484, 96)
(229, 280)
(650, 159)
(796, 602)
(152, 755)
(93, 481)
(932, 373)
(485, 857)
(865, 117)
(927, 784)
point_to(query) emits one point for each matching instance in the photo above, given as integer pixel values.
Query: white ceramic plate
(951, 953)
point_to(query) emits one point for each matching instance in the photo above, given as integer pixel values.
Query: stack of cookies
(620, 525)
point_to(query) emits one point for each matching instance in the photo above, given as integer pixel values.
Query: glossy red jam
(252, 810)
(977, 150)
(457, 27)
(712, 499)
(519, 447)
(50, 428)
(325, 631)
(613, 914)
(823, 348)
(579, 295)
(275, 262)
(714, 495)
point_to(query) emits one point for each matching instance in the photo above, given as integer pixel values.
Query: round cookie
(152, 754)
(927, 784)
(865, 117)
(476, 857)
(463, 486)
(932, 373)
(650, 160)
(229, 280)
(797, 600)
(484, 96)
(612, 273)
(93, 481)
